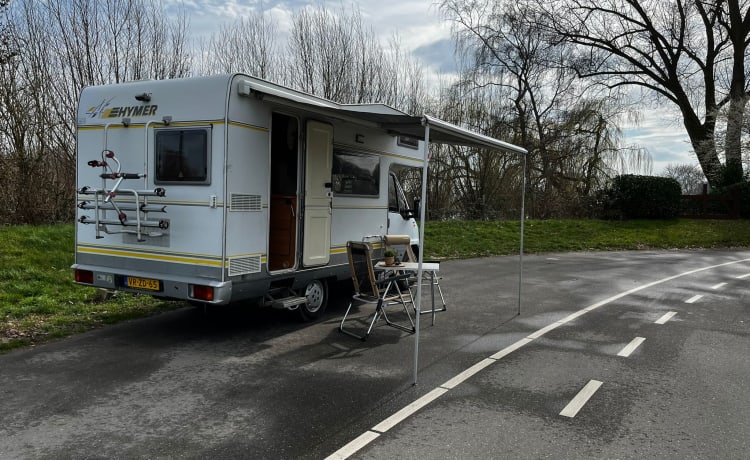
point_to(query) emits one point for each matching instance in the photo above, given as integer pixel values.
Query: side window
(356, 173)
(182, 155)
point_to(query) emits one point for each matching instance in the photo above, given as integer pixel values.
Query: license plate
(144, 283)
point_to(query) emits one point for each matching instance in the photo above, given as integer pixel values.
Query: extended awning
(426, 128)
(376, 115)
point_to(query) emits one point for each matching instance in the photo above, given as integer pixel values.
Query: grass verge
(39, 301)
(458, 240)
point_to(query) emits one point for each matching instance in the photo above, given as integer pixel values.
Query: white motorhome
(224, 188)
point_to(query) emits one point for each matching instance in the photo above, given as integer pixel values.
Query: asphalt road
(492, 383)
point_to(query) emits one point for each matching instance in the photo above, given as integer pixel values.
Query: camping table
(430, 267)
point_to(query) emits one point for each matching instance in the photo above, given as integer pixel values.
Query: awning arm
(470, 138)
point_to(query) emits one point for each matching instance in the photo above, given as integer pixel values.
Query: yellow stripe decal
(247, 126)
(142, 255)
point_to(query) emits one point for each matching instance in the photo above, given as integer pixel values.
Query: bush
(642, 197)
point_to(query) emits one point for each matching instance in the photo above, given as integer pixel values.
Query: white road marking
(510, 349)
(581, 399)
(399, 416)
(742, 277)
(718, 286)
(694, 299)
(631, 347)
(455, 381)
(666, 317)
(545, 330)
(350, 449)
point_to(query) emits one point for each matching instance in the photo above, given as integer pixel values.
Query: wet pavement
(242, 382)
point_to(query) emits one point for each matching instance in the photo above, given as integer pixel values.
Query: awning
(376, 115)
(426, 128)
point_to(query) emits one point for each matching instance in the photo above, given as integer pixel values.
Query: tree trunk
(733, 142)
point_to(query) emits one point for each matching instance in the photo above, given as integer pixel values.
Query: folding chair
(403, 243)
(367, 289)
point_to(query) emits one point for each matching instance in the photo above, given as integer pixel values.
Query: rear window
(182, 155)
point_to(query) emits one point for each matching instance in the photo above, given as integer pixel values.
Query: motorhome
(227, 188)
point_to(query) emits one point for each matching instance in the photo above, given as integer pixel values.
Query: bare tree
(689, 52)
(246, 45)
(7, 50)
(690, 177)
(571, 134)
(334, 55)
(114, 40)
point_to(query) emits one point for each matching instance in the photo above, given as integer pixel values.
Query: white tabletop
(411, 266)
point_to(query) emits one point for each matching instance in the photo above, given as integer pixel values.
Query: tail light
(84, 276)
(199, 292)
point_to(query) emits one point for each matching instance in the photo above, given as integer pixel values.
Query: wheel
(316, 293)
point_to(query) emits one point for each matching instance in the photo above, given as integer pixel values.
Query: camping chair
(403, 243)
(382, 292)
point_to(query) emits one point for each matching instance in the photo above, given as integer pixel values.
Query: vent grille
(244, 265)
(243, 202)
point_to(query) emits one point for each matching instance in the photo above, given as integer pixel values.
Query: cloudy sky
(422, 31)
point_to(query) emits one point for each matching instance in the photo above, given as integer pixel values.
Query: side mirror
(417, 211)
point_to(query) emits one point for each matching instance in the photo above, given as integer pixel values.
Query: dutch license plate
(144, 283)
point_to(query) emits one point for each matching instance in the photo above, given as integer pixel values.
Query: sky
(422, 31)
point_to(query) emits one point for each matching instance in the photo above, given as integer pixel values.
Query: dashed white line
(370, 435)
(666, 317)
(583, 396)
(694, 299)
(631, 347)
(742, 277)
(718, 286)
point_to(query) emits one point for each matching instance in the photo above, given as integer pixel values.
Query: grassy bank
(39, 301)
(457, 240)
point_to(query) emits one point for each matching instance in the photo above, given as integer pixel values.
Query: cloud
(440, 55)
(661, 133)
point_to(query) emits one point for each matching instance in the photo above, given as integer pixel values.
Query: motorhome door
(316, 245)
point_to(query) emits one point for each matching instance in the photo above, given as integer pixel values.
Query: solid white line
(437, 392)
(630, 348)
(510, 349)
(666, 317)
(742, 277)
(545, 330)
(718, 286)
(455, 381)
(348, 450)
(581, 399)
(410, 409)
(694, 299)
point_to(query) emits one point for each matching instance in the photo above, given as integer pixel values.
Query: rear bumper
(170, 286)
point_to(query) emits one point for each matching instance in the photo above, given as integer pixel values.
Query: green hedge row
(642, 197)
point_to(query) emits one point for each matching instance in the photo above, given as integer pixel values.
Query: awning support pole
(422, 213)
(523, 222)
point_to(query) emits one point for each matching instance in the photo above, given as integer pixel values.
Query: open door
(316, 245)
(282, 230)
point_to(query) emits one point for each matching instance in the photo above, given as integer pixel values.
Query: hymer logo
(103, 110)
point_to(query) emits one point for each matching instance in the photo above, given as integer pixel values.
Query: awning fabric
(380, 115)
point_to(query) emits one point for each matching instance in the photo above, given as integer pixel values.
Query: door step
(288, 303)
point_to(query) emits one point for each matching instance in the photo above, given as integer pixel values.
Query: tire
(316, 292)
